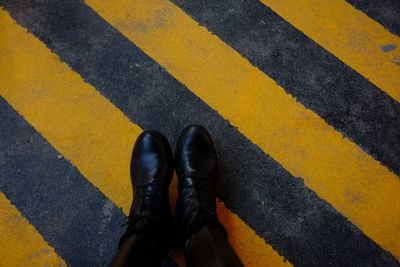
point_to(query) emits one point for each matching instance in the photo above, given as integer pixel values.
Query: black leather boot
(196, 167)
(151, 175)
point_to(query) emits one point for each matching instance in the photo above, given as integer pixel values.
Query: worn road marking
(87, 129)
(349, 34)
(20, 243)
(335, 168)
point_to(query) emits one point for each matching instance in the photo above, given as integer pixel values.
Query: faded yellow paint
(335, 168)
(242, 240)
(240, 235)
(350, 35)
(87, 129)
(65, 111)
(20, 243)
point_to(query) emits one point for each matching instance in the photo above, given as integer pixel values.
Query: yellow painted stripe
(20, 243)
(86, 128)
(350, 35)
(335, 168)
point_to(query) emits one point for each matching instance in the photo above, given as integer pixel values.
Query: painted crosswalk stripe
(353, 37)
(73, 216)
(20, 243)
(154, 99)
(335, 168)
(88, 130)
(385, 13)
(316, 78)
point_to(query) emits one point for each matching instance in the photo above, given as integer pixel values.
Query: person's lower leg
(150, 232)
(136, 250)
(209, 247)
(197, 221)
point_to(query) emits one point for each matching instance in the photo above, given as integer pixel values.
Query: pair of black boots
(152, 168)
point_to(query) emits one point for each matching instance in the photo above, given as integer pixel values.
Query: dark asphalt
(299, 225)
(342, 97)
(386, 12)
(71, 214)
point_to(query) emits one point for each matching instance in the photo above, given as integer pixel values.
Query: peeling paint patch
(107, 212)
(388, 47)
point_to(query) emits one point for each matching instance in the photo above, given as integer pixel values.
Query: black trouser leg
(209, 247)
(137, 250)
